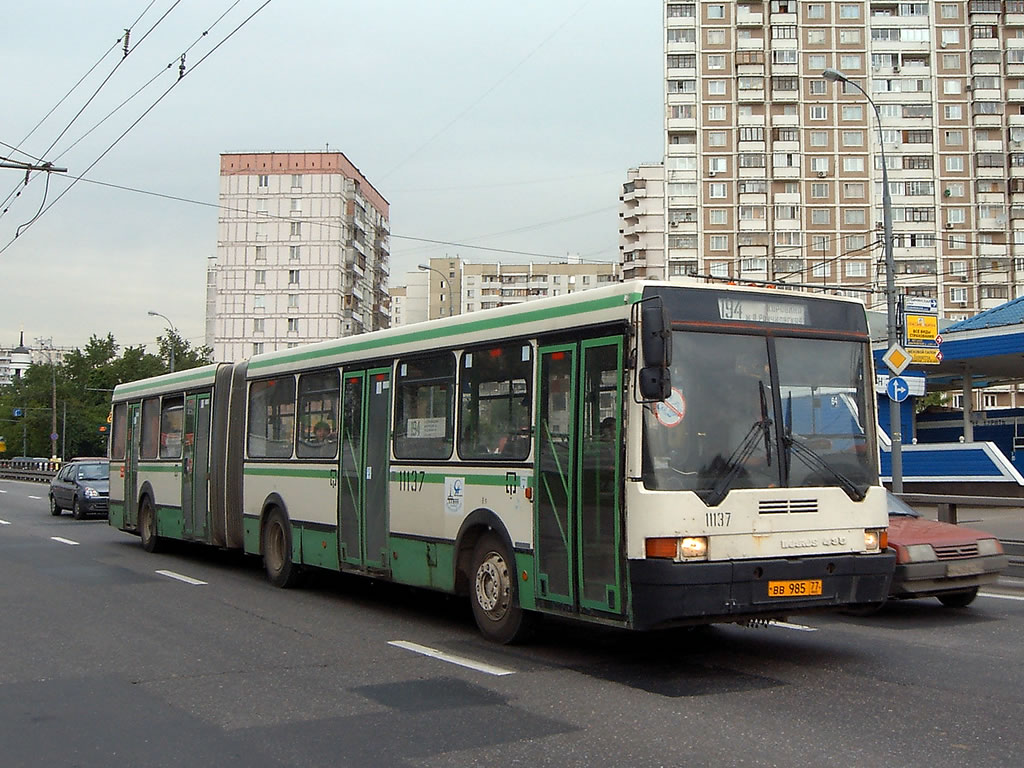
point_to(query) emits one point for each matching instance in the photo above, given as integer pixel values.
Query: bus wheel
(495, 595)
(54, 508)
(147, 526)
(277, 551)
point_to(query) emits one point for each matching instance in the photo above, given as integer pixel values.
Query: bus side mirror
(656, 344)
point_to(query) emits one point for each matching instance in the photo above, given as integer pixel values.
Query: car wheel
(494, 593)
(147, 527)
(960, 599)
(54, 507)
(277, 551)
(76, 510)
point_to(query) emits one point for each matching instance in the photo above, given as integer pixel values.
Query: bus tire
(147, 526)
(54, 507)
(494, 593)
(276, 547)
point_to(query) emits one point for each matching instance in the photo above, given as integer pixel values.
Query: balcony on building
(1016, 94)
(747, 16)
(993, 250)
(984, 11)
(786, 172)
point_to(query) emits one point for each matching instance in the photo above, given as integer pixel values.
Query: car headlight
(919, 553)
(989, 547)
(91, 493)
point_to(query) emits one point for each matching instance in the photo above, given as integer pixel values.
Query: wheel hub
(492, 586)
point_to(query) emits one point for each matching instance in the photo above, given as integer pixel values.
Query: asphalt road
(108, 658)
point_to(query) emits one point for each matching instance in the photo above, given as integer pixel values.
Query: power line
(182, 75)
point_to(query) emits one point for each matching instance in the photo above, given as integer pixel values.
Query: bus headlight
(693, 548)
(677, 548)
(876, 540)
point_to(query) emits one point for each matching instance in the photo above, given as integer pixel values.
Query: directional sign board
(897, 358)
(921, 329)
(925, 356)
(897, 389)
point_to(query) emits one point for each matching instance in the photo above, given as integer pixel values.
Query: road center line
(461, 661)
(4, 522)
(35, 497)
(180, 577)
(1001, 597)
(790, 625)
(65, 541)
(2, 490)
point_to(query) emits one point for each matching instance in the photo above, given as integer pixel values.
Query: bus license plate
(794, 588)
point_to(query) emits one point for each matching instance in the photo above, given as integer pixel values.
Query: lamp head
(422, 266)
(834, 75)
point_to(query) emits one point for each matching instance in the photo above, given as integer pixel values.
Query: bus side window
(495, 400)
(424, 408)
(271, 418)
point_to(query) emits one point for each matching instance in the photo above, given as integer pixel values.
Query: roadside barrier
(34, 470)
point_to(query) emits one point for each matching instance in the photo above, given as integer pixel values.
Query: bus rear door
(131, 466)
(578, 501)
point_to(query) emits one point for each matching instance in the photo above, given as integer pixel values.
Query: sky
(509, 125)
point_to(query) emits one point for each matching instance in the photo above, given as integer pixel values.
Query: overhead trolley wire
(139, 119)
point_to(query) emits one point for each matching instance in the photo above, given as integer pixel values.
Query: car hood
(904, 530)
(103, 486)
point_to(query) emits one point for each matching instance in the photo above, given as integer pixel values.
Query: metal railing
(34, 470)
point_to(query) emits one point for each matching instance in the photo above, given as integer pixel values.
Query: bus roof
(168, 382)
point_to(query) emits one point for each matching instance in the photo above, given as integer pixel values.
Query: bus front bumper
(666, 592)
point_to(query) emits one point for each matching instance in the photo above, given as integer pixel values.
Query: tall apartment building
(642, 229)
(773, 172)
(477, 286)
(302, 253)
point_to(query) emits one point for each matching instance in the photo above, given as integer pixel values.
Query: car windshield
(898, 506)
(93, 471)
(731, 413)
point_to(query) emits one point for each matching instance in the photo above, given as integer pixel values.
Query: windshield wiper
(814, 461)
(742, 452)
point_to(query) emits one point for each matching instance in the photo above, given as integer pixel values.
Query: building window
(958, 295)
(293, 277)
(293, 301)
(821, 269)
(295, 229)
(716, 88)
(849, 11)
(258, 301)
(955, 163)
(850, 36)
(293, 325)
(716, 61)
(257, 348)
(716, 11)
(717, 191)
(261, 253)
(819, 112)
(296, 180)
(294, 252)
(718, 243)
(296, 205)
(716, 112)
(716, 37)
(856, 269)
(261, 276)
(264, 180)
(258, 325)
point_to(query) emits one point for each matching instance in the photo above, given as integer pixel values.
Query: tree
(185, 355)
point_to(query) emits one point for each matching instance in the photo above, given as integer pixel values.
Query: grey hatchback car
(83, 486)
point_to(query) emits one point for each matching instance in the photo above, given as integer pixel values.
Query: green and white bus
(640, 455)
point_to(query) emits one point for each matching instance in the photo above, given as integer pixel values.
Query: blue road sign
(897, 389)
(18, 413)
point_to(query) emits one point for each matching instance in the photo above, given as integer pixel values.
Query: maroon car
(940, 560)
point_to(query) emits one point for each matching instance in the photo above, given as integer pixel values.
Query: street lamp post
(47, 344)
(895, 428)
(439, 273)
(173, 329)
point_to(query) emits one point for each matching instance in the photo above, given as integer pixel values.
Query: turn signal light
(663, 547)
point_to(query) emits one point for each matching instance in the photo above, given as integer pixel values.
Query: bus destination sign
(759, 311)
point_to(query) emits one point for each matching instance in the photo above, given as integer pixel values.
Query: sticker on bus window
(526, 353)
(671, 412)
(468, 357)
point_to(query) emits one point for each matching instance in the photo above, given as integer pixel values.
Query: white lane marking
(2, 490)
(179, 577)
(65, 541)
(790, 625)
(1001, 597)
(461, 661)
(35, 497)
(4, 522)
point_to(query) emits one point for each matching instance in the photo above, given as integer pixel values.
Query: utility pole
(47, 344)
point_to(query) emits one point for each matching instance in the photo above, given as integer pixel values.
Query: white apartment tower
(773, 172)
(642, 225)
(302, 253)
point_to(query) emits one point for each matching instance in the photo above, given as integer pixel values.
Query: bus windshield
(737, 420)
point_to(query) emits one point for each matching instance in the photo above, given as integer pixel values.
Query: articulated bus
(641, 455)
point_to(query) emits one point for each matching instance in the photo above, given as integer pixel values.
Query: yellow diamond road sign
(897, 359)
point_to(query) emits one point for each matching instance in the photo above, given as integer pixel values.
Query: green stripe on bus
(485, 324)
(288, 472)
(178, 378)
(159, 467)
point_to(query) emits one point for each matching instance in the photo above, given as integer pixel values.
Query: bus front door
(363, 472)
(195, 475)
(131, 466)
(578, 497)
